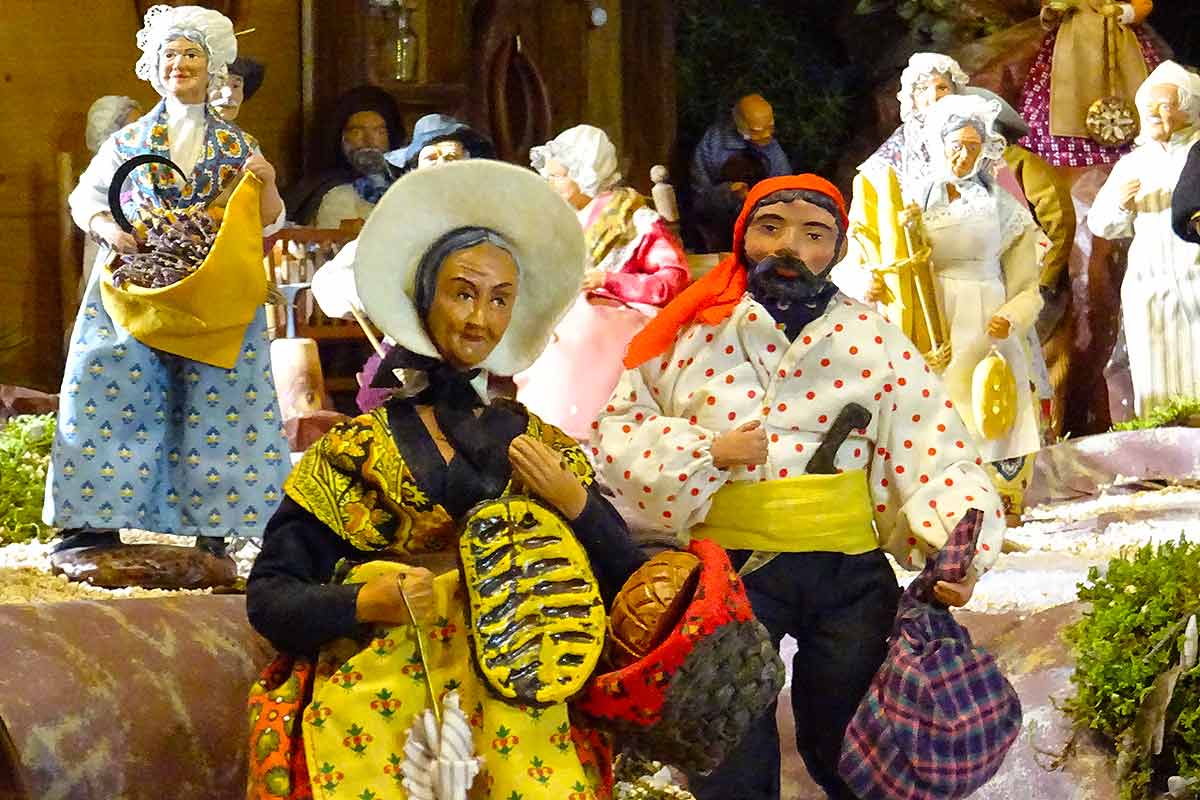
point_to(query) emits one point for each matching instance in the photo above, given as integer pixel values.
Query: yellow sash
(808, 514)
(204, 316)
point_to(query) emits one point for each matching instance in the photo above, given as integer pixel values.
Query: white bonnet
(956, 111)
(1186, 81)
(923, 66)
(210, 29)
(105, 118)
(586, 152)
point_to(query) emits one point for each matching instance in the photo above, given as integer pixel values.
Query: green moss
(1132, 633)
(24, 457)
(1175, 412)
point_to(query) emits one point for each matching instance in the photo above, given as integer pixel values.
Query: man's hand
(999, 327)
(744, 447)
(542, 471)
(1129, 193)
(956, 595)
(593, 279)
(382, 599)
(107, 229)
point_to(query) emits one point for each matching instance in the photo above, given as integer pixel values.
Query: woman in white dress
(985, 265)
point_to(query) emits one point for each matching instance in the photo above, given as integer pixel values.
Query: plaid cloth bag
(939, 717)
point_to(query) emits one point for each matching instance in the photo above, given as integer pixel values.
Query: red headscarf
(713, 298)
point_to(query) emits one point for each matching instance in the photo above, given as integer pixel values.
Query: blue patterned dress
(151, 440)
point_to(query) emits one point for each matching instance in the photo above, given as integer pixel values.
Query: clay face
(1161, 116)
(963, 147)
(365, 129)
(473, 304)
(929, 91)
(183, 69)
(755, 120)
(442, 152)
(228, 98)
(797, 229)
(560, 181)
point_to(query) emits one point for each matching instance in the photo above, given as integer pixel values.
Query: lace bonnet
(210, 29)
(921, 67)
(586, 152)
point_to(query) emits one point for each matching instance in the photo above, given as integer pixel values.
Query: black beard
(368, 161)
(765, 283)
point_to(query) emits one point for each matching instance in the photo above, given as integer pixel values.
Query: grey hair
(957, 122)
(430, 266)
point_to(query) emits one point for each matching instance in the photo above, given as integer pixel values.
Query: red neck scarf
(712, 298)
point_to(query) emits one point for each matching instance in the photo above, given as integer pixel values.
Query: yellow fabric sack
(204, 316)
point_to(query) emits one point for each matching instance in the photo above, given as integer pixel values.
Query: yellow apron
(806, 514)
(365, 698)
(204, 316)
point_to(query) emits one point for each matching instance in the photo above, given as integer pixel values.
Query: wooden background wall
(55, 59)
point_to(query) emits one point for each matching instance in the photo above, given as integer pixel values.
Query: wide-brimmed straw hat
(426, 204)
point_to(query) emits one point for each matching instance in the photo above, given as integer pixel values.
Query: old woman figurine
(635, 267)
(466, 268)
(149, 439)
(985, 271)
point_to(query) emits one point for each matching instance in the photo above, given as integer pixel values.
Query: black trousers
(840, 609)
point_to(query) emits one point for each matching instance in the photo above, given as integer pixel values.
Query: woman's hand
(593, 279)
(1128, 194)
(743, 447)
(999, 327)
(381, 599)
(102, 225)
(260, 168)
(956, 595)
(543, 473)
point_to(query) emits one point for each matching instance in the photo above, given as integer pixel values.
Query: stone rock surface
(149, 566)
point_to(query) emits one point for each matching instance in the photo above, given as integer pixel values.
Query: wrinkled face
(364, 129)
(228, 97)
(476, 290)
(963, 147)
(1161, 116)
(560, 181)
(442, 152)
(756, 123)
(797, 229)
(183, 70)
(929, 91)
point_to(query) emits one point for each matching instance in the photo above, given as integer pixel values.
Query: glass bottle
(406, 47)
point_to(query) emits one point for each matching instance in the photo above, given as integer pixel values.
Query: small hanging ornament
(1112, 120)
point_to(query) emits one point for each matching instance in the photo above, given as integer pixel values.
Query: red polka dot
(907, 355)
(708, 338)
(908, 444)
(609, 459)
(729, 350)
(641, 505)
(949, 404)
(887, 387)
(646, 454)
(822, 419)
(638, 417)
(610, 409)
(670, 498)
(783, 373)
(662, 367)
(708, 373)
(626, 429)
(916, 417)
(927, 524)
(696, 454)
(771, 348)
(960, 445)
(949, 481)
(783, 473)
(884, 483)
(692, 420)
(799, 448)
(595, 452)
(732, 416)
(970, 498)
(751, 468)
(838, 384)
(912, 540)
(666, 514)
(899, 469)
(863, 317)
(988, 547)
(933, 451)
(646, 489)
(712, 401)
(853, 351)
(924, 479)
(774, 437)
(752, 317)
(839, 327)
(924, 393)
(680, 364)
(877, 396)
(729, 379)
(858, 452)
(797, 373)
(627, 474)
(595, 426)
(782, 406)
(683, 477)
(824, 362)
(752, 394)
(807, 340)
(881, 508)
(811, 395)
(933, 503)
(878, 340)
(941, 428)
(695, 492)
